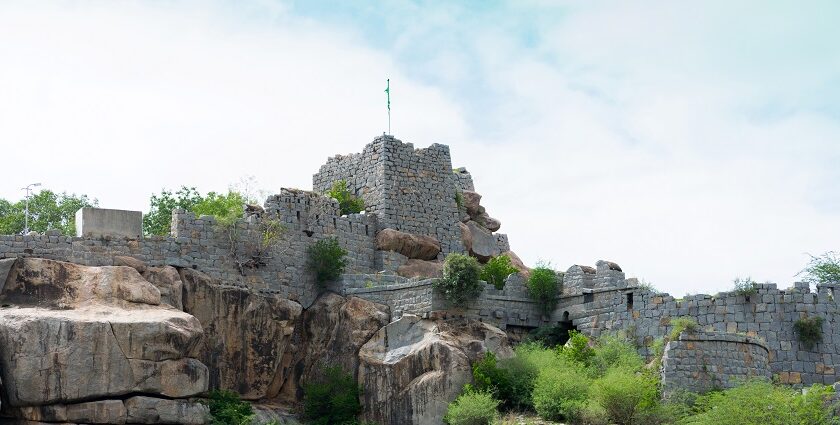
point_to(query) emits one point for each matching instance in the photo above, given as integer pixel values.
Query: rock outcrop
(331, 332)
(412, 369)
(421, 269)
(484, 245)
(246, 333)
(74, 340)
(412, 246)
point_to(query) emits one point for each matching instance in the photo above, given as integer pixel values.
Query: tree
(158, 221)
(823, 269)
(47, 211)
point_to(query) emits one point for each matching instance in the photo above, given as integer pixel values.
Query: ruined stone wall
(411, 190)
(202, 244)
(703, 361)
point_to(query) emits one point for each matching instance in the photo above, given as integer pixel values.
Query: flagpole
(388, 93)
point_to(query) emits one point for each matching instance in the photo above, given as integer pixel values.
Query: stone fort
(417, 193)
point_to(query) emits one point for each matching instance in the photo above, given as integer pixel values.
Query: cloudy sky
(691, 142)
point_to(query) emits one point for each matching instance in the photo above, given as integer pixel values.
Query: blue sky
(689, 142)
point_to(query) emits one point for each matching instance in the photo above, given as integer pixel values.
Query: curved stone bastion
(703, 361)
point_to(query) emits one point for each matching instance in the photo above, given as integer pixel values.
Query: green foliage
(823, 269)
(326, 258)
(809, 330)
(761, 403)
(577, 349)
(225, 208)
(473, 408)
(459, 199)
(612, 351)
(47, 211)
(333, 400)
(227, 409)
(745, 287)
(158, 221)
(625, 394)
(680, 324)
(348, 203)
(561, 393)
(496, 271)
(549, 336)
(460, 282)
(511, 381)
(543, 288)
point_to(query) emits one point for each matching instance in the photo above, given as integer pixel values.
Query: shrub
(577, 349)
(496, 271)
(823, 269)
(549, 336)
(809, 330)
(745, 287)
(542, 286)
(511, 381)
(459, 284)
(760, 402)
(347, 202)
(624, 395)
(611, 351)
(680, 324)
(560, 393)
(472, 408)
(227, 409)
(332, 400)
(327, 259)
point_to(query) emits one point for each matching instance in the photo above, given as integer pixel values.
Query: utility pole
(28, 189)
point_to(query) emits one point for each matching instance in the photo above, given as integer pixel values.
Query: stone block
(101, 222)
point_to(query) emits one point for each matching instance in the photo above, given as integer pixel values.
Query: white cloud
(689, 143)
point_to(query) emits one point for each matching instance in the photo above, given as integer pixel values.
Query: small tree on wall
(809, 331)
(327, 259)
(497, 270)
(543, 285)
(460, 282)
(347, 202)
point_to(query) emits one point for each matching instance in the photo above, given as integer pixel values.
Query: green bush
(460, 282)
(611, 351)
(332, 400)
(680, 324)
(577, 349)
(326, 258)
(347, 202)
(473, 408)
(542, 286)
(227, 409)
(496, 271)
(823, 269)
(625, 394)
(745, 287)
(809, 330)
(761, 403)
(560, 393)
(511, 381)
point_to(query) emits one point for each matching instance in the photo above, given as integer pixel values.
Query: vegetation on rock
(227, 409)
(348, 203)
(333, 400)
(327, 259)
(680, 325)
(47, 211)
(460, 283)
(745, 287)
(496, 271)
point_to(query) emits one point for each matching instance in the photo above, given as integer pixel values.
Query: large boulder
(246, 333)
(331, 332)
(466, 237)
(517, 263)
(412, 369)
(168, 282)
(134, 410)
(484, 246)
(421, 269)
(74, 333)
(412, 246)
(472, 202)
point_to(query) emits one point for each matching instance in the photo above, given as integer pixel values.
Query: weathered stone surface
(93, 412)
(150, 410)
(134, 263)
(107, 336)
(6, 265)
(471, 202)
(246, 333)
(331, 333)
(484, 245)
(517, 262)
(466, 237)
(269, 413)
(488, 222)
(412, 246)
(412, 369)
(421, 269)
(168, 282)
